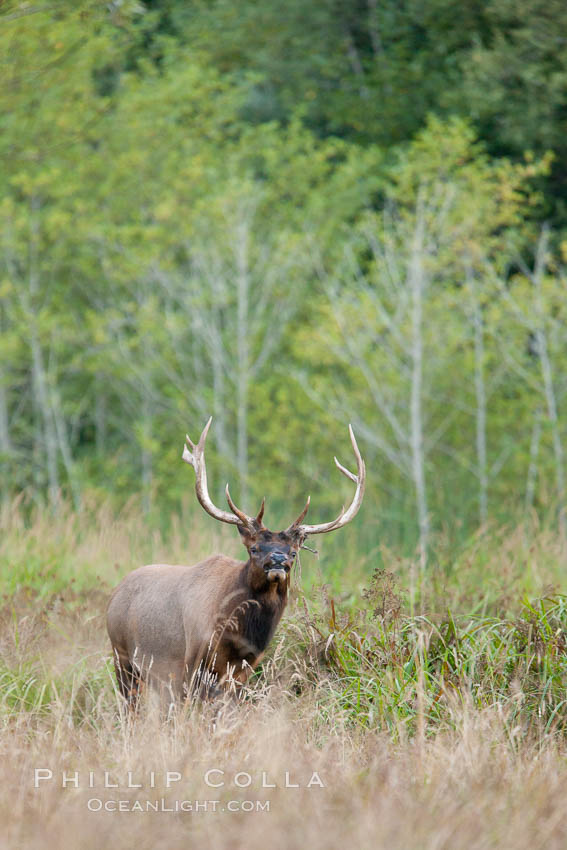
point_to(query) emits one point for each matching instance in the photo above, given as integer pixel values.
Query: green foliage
(410, 674)
(194, 222)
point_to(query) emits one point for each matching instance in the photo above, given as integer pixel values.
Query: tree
(404, 308)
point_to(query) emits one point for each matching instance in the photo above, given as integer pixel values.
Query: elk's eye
(293, 554)
(253, 550)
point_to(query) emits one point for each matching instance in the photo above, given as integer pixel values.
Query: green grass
(387, 670)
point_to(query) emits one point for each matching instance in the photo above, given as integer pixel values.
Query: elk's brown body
(193, 629)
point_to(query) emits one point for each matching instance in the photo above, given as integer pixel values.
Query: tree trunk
(554, 421)
(480, 392)
(147, 460)
(5, 441)
(243, 365)
(100, 417)
(5, 444)
(548, 386)
(41, 393)
(46, 435)
(532, 468)
(64, 447)
(416, 280)
(219, 407)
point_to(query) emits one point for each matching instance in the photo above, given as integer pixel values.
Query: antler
(195, 456)
(345, 516)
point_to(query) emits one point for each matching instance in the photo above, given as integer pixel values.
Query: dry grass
(445, 731)
(482, 783)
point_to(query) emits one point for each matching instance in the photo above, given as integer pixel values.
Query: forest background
(292, 217)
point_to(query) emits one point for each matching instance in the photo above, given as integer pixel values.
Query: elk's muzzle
(276, 574)
(276, 569)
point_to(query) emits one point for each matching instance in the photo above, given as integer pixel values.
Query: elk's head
(271, 554)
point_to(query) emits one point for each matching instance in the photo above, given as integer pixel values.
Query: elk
(196, 629)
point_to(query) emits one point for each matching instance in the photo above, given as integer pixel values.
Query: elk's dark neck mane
(267, 600)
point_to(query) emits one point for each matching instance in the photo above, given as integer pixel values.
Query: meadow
(408, 713)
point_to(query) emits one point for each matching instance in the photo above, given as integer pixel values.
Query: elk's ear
(247, 536)
(298, 539)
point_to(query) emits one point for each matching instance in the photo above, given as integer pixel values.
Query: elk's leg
(129, 682)
(198, 681)
(236, 662)
(168, 679)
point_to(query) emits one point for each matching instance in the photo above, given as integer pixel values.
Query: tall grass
(51, 551)
(435, 716)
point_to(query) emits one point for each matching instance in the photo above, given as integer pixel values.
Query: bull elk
(194, 629)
